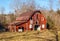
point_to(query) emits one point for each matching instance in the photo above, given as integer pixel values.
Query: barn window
(30, 26)
(31, 21)
(43, 25)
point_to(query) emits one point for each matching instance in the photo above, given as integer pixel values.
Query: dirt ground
(44, 35)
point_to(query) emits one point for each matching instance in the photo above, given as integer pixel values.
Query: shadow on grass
(2, 28)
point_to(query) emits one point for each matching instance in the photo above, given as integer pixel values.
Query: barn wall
(41, 21)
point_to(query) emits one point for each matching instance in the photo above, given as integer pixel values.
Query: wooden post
(57, 36)
(14, 28)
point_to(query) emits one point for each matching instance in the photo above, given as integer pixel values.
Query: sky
(42, 3)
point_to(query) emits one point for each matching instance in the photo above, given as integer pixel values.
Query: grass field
(44, 35)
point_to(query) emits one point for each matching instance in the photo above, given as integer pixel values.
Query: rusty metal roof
(24, 17)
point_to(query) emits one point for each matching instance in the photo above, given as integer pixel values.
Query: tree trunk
(57, 36)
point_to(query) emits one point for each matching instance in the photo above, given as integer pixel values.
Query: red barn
(31, 20)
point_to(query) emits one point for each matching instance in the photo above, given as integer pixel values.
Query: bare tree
(31, 5)
(2, 10)
(15, 4)
(28, 5)
(58, 4)
(21, 6)
(51, 4)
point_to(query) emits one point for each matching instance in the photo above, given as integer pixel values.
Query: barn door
(20, 29)
(36, 27)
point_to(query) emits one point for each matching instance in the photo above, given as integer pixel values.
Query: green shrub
(50, 23)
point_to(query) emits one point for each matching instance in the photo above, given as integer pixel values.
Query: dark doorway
(48, 26)
(21, 29)
(35, 27)
(2, 28)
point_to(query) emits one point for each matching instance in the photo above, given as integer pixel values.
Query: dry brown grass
(44, 35)
(59, 35)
